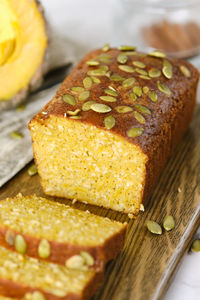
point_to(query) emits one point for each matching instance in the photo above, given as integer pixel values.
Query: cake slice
(29, 278)
(112, 125)
(58, 233)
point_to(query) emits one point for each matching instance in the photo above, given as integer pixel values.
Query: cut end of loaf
(80, 161)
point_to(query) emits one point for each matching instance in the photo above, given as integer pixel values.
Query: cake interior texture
(81, 161)
(34, 216)
(24, 271)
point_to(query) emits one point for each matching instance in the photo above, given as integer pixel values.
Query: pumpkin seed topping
(139, 64)
(20, 244)
(77, 89)
(101, 108)
(10, 237)
(69, 99)
(75, 117)
(104, 58)
(117, 78)
(145, 90)
(164, 88)
(95, 79)
(145, 77)
(104, 68)
(131, 53)
(123, 109)
(87, 105)
(44, 249)
(75, 262)
(133, 96)
(108, 98)
(89, 260)
(106, 47)
(111, 92)
(135, 132)
(167, 69)
(84, 95)
(16, 135)
(97, 72)
(126, 48)
(154, 227)
(153, 96)
(153, 73)
(158, 54)
(186, 72)
(169, 223)
(32, 170)
(126, 68)
(87, 82)
(139, 117)
(112, 88)
(137, 90)
(92, 62)
(128, 82)
(73, 113)
(109, 122)
(122, 58)
(141, 72)
(195, 245)
(143, 109)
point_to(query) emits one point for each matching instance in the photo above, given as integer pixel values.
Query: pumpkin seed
(111, 92)
(128, 82)
(95, 79)
(164, 88)
(108, 98)
(133, 96)
(87, 105)
(104, 68)
(75, 117)
(143, 109)
(37, 296)
(77, 89)
(122, 58)
(109, 122)
(20, 244)
(154, 227)
(21, 107)
(186, 72)
(153, 73)
(157, 53)
(10, 237)
(69, 99)
(139, 64)
(145, 77)
(135, 132)
(44, 249)
(126, 68)
(32, 170)
(130, 53)
(153, 96)
(137, 90)
(139, 117)
(84, 95)
(97, 72)
(141, 72)
(169, 223)
(167, 69)
(126, 48)
(112, 88)
(75, 262)
(145, 90)
(123, 109)
(88, 258)
(16, 135)
(195, 245)
(92, 62)
(104, 58)
(73, 113)
(101, 108)
(117, 78)
(87, 82)
(106, 47)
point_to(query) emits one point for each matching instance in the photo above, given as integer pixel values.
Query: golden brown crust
(14, 289)
(60, 252)
(170, 115)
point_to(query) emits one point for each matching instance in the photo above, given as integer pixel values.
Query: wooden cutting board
(145, 267)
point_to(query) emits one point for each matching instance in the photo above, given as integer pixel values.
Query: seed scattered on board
(32, 170)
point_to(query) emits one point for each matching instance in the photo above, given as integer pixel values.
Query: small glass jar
(169, 25)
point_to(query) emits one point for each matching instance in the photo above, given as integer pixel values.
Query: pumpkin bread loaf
(50, 230)
(112, 125)
(30, 278)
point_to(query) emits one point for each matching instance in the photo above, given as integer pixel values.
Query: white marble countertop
(89, 24)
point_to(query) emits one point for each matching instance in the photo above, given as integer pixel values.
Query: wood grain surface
(145, 267)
